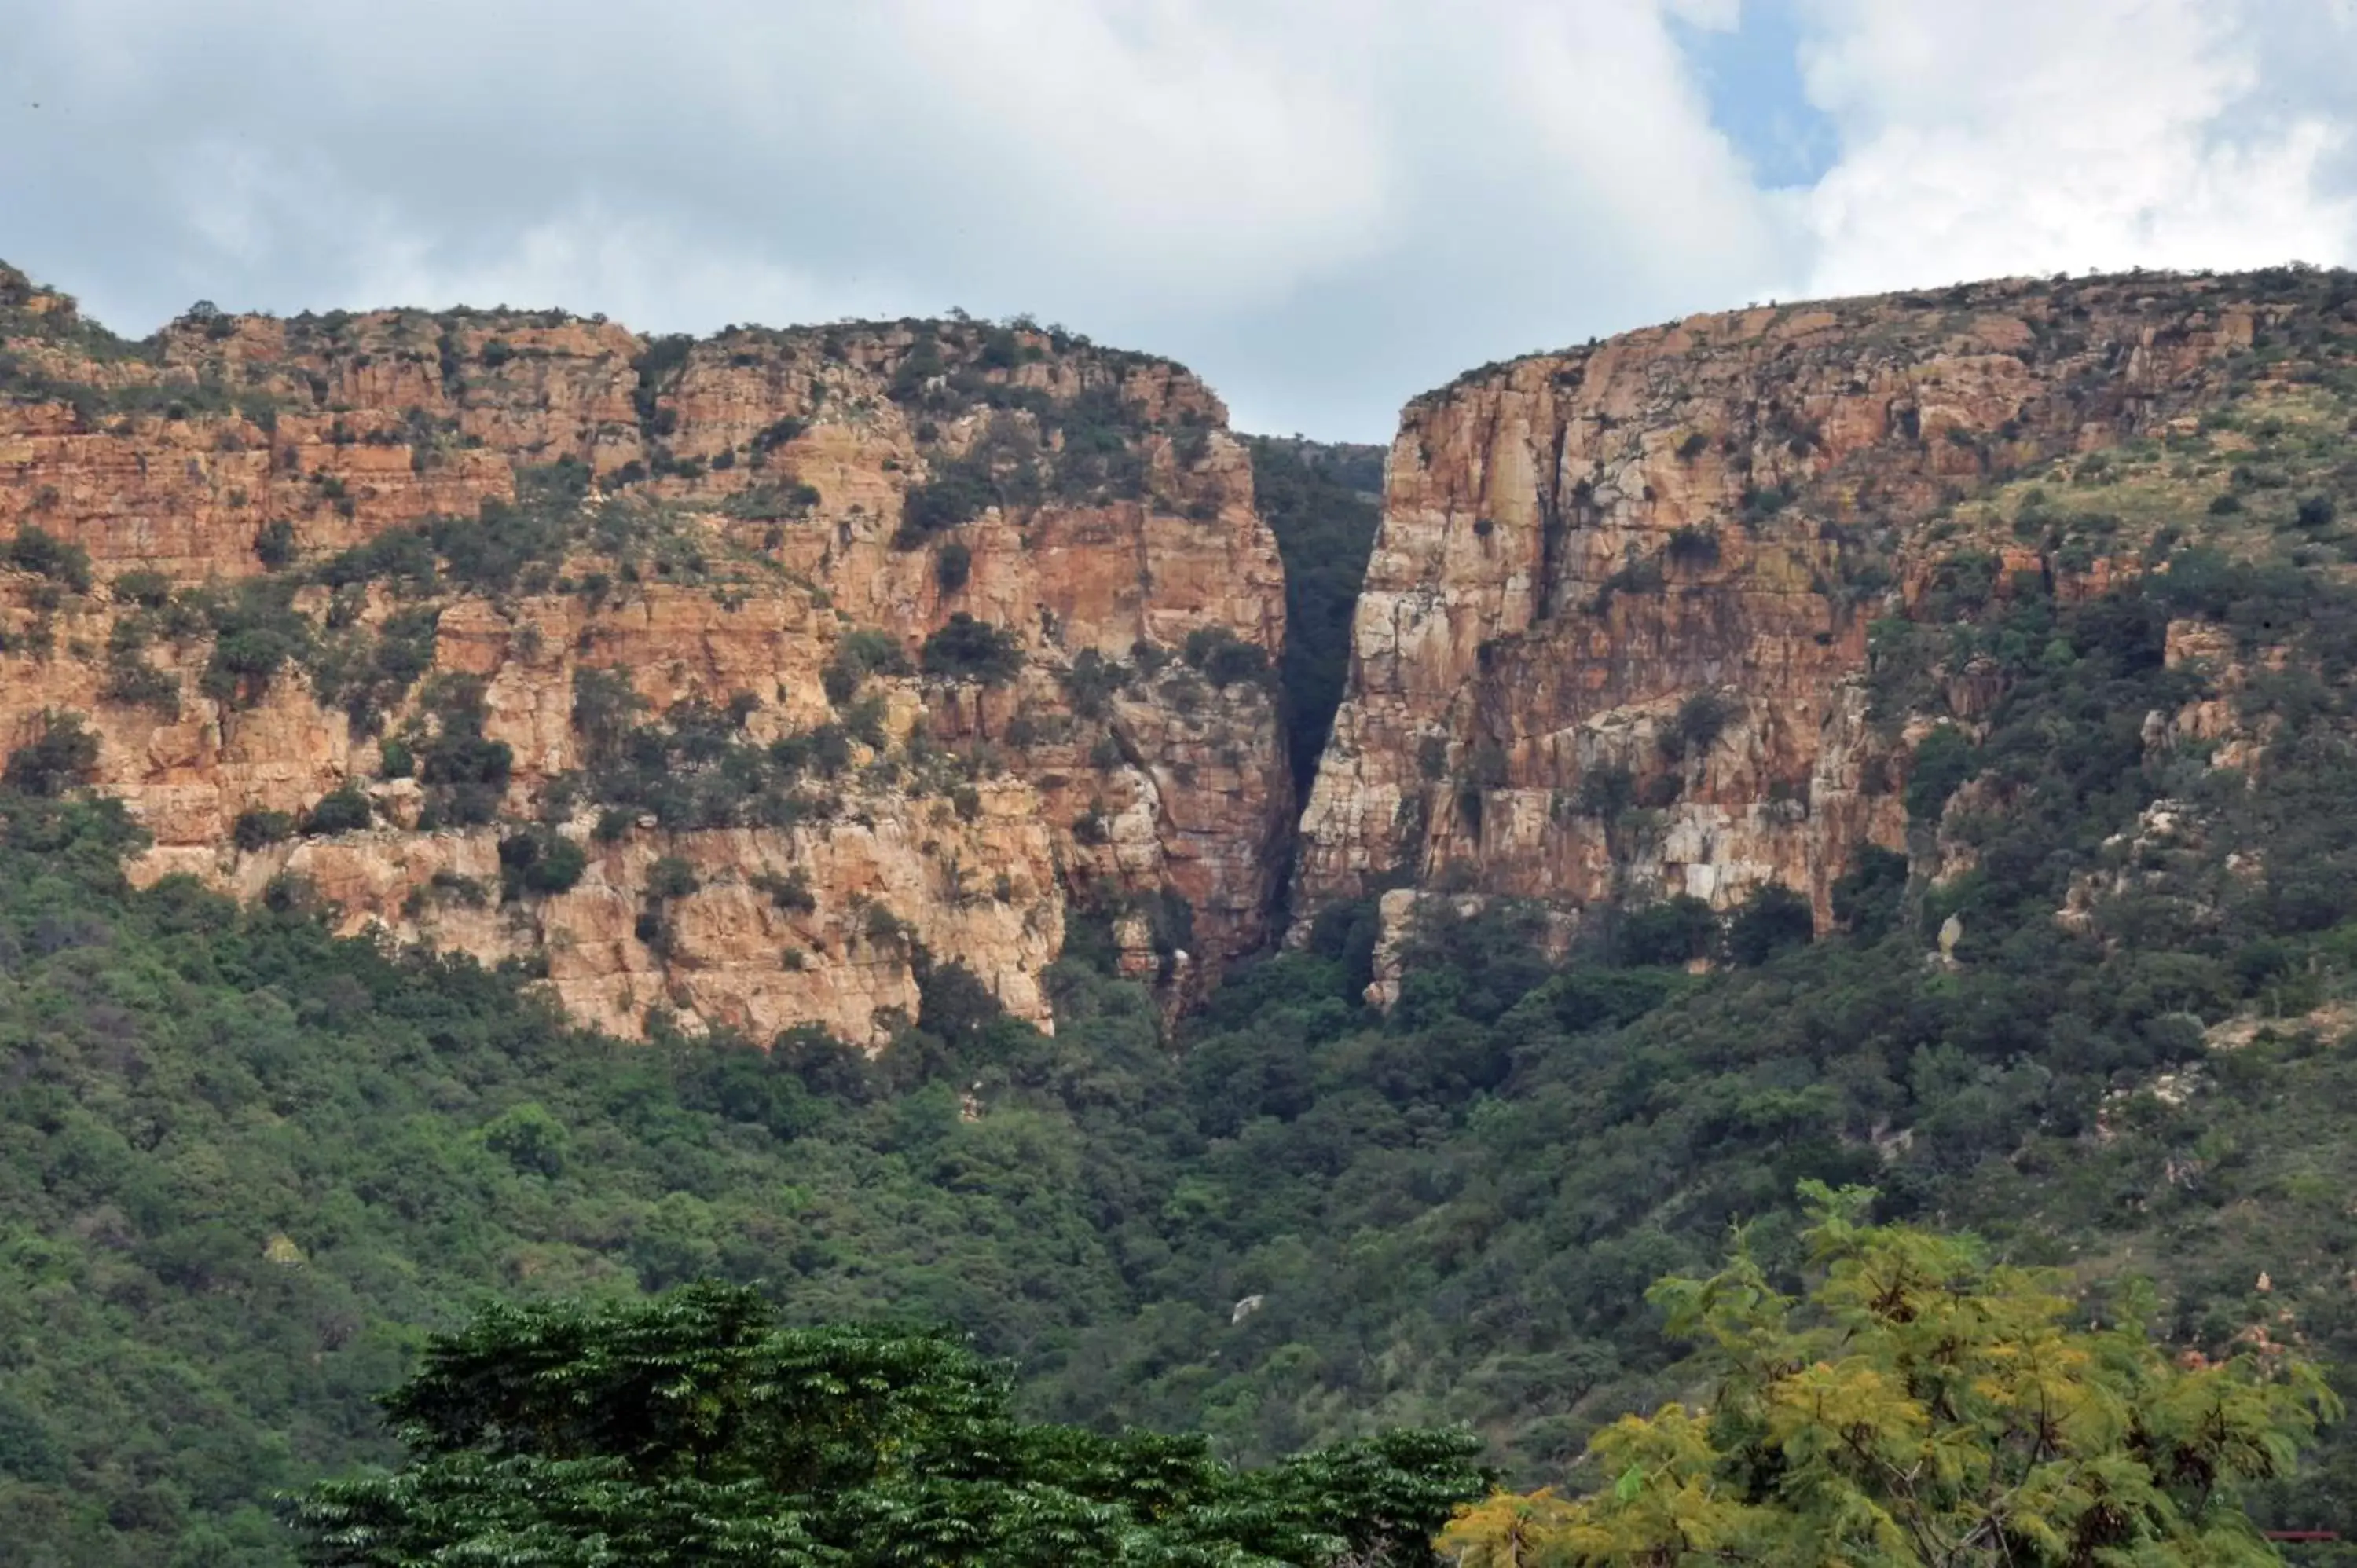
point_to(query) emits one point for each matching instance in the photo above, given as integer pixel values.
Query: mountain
(1903, 742)
(1617, 640)
(810, 657)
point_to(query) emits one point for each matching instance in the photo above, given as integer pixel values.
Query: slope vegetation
(2087, 985)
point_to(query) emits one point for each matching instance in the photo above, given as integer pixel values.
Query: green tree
(693, 1429)
(528, 1138)
(1922, 1406)
(1773, 919)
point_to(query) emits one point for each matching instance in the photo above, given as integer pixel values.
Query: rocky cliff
(748, 679)
(744, 678)
(1620, 634)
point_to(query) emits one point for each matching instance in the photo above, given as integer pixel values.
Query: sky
(1323, 206)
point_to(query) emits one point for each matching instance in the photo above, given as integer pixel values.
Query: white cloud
(1324, 205)
(1182, 143)
(1615, 108)
(2032, 136)
(637, 274)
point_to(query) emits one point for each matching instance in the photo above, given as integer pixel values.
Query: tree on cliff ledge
(692, 1429)
(1922, 1409)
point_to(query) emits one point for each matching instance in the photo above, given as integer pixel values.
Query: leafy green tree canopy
(691, 1428)
(1922, 1406)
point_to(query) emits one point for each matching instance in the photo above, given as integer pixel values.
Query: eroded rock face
(1614, 639)
(721, 526)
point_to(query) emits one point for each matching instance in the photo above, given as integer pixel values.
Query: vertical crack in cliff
(1323, 504)
(1552, 524)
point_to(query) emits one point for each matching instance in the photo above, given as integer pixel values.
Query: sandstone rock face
(1615, 633)
(308, 538)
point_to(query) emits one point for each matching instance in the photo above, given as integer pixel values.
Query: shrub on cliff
(604, 708)
(257, 632)
(1608, 791)
(510, 546)
(132, 681)
(1222, 658)
(861, 652)
(697, 769)
(257, 829)
(671, 877)
(1093, 681)
(771, 503)
(1694, 546)
(465, 771)
(274, 546)
(36, 550)
(142, 586)
(402, 557)
(659, 366)
(1001, 469)
(342, 811)
(952, 562)
(540, 863)
(1696, 727)
(968, 650)
(954, 496)
(790, 892)
(776, 434)
(1099, 457)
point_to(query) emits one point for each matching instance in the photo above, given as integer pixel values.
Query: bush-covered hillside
(2101, 1010)
(248, 1164)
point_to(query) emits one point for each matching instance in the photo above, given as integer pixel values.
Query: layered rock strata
(986, 610)
(1616, 632)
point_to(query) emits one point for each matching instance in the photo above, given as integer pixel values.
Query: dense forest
(246, 1166)
(249, 1165)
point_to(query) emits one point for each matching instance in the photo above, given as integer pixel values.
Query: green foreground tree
(1926, 1408)
(692, 1429)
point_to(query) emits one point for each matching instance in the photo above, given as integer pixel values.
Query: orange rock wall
(1576, 546)
(173, 457)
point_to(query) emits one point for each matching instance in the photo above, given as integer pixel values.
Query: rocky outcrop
(389, 552)
(832, 652)
(1615, 637)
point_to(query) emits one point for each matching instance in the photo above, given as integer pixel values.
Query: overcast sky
(1325, 205)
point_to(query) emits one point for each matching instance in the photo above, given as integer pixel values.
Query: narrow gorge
(884, 771)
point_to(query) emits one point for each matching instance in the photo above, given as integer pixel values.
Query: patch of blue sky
(1750, 76)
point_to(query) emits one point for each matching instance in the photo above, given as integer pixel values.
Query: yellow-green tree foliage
(1922, 1406)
